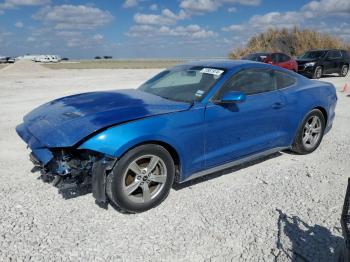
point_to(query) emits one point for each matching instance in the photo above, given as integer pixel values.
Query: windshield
(183, 84)
(313, 55)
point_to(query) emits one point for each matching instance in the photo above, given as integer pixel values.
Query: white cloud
(309, 16)
(166, 17)
(260, 23)
(30, 39)
(26, 2)
(74, 17)
(234, 28)
(309, 12)
(232, 10)
(130, 3)
(275, 19)
(204, 6)
(153, 7)
(8, 4)
(61, 39)
(68, 34)
(19, 24)
(189, 31)
(327, 8)
(98, 37)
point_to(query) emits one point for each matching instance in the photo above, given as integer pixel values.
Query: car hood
(66, 121)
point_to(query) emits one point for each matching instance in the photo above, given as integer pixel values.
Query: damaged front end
(76, 172)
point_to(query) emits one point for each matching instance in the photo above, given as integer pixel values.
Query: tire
(310, 134)
(141, 179)
(344, 71)
(318, 72)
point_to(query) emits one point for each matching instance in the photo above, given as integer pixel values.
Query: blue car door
(239, 129)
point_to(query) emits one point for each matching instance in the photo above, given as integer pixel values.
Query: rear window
(284, 80)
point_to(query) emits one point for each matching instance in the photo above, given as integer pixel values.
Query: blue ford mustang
(188, 121)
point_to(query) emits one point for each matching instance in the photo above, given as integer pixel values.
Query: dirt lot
(284, 208)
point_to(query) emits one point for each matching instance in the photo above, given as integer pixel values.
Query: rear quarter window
(284, 80)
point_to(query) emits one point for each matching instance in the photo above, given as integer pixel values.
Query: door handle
(277, 105)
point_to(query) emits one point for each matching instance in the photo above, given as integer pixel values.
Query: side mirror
(233, 97)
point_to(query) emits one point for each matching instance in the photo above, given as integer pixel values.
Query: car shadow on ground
(298, 241)
(179, 186)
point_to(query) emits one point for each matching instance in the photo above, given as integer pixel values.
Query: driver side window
(250, 82)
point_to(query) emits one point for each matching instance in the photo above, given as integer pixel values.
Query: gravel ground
(284, 208)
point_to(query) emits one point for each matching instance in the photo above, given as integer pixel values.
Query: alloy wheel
(144, 178)
(344, 71)
(312, 132)
(319, 72)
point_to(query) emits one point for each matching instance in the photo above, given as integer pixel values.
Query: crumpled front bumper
(41, 154)
(73, 174)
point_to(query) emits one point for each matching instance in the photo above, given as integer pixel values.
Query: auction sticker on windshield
(212, 71)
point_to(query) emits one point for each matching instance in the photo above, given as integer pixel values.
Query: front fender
(181, 131)
(116, 141)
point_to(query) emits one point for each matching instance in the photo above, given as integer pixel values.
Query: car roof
(224, 64)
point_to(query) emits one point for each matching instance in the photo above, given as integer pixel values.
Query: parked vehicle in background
(3, 59)
(6, 59)
(316, 63)
(282, 60)
(11, 60)
(41, 59)
(54, 58)
(47, 59)
(277, 59)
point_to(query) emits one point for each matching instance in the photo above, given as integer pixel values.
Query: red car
(277, 59)
(282, 60)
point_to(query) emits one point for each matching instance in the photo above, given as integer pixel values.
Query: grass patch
(115, 64)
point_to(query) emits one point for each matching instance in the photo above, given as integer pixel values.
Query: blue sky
(156, 29)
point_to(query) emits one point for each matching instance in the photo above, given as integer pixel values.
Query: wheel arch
(324, 113)
(170, 148)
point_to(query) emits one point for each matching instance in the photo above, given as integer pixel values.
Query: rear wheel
(344, 71)
(318, 72)
(310, 133)
(141, 179)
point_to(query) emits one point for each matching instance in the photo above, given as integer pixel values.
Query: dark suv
(316, 63)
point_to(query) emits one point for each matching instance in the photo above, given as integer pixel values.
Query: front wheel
(318, 72)
(310, 133)
(344, 71)
(141, 179)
